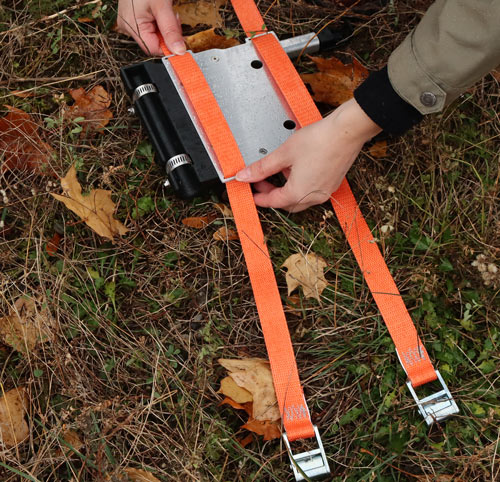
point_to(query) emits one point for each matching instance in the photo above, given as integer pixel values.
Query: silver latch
(311, 465)
(435, 407)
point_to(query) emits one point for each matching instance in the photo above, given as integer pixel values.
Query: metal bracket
(311, 465)
(435, 407)
(255, 110)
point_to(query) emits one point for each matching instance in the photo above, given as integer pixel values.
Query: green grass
(141, 323)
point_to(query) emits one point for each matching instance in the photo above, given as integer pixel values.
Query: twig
(50, 17)
(57, 80)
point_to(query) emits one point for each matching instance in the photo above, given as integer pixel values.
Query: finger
(149, 42)
(264, 186)
(265, 167)
(278, 198)
(169, 27)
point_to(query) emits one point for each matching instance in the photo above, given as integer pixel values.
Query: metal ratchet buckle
(311, 465)
(435, 407)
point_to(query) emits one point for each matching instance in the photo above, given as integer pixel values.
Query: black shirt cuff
(384, 106)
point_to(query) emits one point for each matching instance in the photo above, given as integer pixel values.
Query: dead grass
(141, 323)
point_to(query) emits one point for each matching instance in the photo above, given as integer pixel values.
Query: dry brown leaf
(306, 271)
(74, 443)
(194, 12)
(247, 407)
(254, 374)
(246, 440)
(225, 210)
(139, 475)
(378, 150)
(208, 39)
(335, 82)
(21, 146)
(92, 106)
(225, 234)
(229, 388)
(23, 94)
(13, 426)
(27, 325)
(270, 430)
(96, 209)
(198, 222)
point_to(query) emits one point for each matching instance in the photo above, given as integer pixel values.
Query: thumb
(169, 27)
(263, 168)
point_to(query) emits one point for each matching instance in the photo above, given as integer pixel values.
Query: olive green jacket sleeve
(455, 44)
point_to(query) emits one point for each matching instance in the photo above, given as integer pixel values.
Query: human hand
(314, 160)
(142, 19)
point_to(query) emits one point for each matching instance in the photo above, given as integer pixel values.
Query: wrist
(355, 123)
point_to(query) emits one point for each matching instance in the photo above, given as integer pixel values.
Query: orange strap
(414, 358)
(293, 408)
(410, 349)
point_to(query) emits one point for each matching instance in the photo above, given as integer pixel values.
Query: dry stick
(59, 81)
(50, 17)
(45, 79)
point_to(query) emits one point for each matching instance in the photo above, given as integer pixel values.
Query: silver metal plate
(257, 115)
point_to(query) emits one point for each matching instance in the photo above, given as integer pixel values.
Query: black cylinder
(159, 127)
(184, 181)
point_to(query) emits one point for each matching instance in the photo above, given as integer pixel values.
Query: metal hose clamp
(143, 90)
(177, 161)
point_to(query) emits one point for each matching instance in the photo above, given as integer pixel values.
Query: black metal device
(257, 116)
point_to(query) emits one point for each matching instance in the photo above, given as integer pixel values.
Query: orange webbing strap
(293, 408)
(410, 349)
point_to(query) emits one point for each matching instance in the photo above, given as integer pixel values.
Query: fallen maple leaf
(198, 222)
(199, 12)
(26, 326)
(254, 375)
(23, 94)
(247, 407)
(73, 443)
(92, 106)
(13, 427)
(21, 145)
(139, 475)
(53, 244)
(224, 210)
(306, 271)
(335, 82)
(234, 392)
(378, 150)
(96, 209)
(270, 430)
(246, 440)
(224, 234)
(208, 39)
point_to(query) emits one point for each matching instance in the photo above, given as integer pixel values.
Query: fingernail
(243, 175)
(179, 48)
